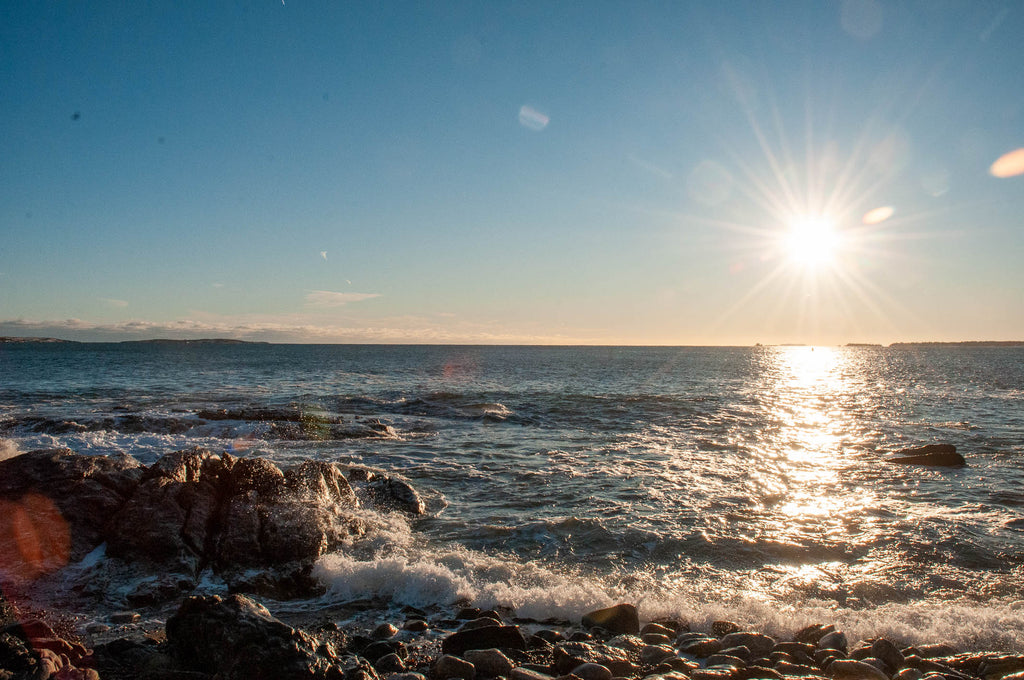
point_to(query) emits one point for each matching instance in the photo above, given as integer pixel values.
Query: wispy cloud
(328, 298)
(111, 302)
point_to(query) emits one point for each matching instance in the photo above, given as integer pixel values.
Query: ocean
(748, 484)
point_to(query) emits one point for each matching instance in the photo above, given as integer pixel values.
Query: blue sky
(510, 172)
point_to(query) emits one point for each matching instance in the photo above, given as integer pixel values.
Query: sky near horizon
(513, 172)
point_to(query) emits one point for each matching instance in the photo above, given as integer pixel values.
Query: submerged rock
(937, 455)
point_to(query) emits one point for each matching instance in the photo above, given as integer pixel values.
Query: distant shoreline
(233, 341)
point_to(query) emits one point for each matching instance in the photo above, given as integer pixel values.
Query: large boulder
(86, 490)
(236, 638)
(167, 521)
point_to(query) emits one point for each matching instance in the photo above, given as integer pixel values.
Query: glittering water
(706, 481)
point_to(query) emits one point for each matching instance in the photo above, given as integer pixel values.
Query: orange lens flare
(34, 538)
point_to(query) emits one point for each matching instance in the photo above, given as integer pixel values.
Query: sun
(811, 240)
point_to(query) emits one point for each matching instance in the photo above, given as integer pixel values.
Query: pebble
(653, 654)
(592, 671)
(384, 631)
(124, 617)
(416, 625)
(850, 669)
(449, 666)
(389, 663)
(834, 640)
(489, 662)
(759, 644)
(527, 674)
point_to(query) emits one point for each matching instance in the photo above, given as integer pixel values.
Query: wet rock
(389, 663)
(449, 666)
(656, 639)
(592, 671)
(489, 663)
(758, 643)
(723, 628)
(798, 670)
(850, 669)
(521, 673)
(888, 652)
(654, 654)
(382, 648)
(498, 637)
(701, 646)
(416, 626)
(569, 655)
(621, 618)
(384, 631)
(813, 633)
(909, 674)
(713, 673)
(237, 638)
(81, 494)
(740, 652)
(479, 622)
(552, 636)
(937, 455)
(406, 676)
(835, 640)
(389, 493)
(658, 629)
(931, 651)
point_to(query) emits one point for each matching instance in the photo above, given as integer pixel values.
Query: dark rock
(938, 455)
(850, 669)
(480, 622)
(835, 640)
(621, 618)
(654, 654)
(416, 625)
(701, 646)
(723, 628)
(909, 674)
(237, 638)
(569, 655)
(811, 634)
(498, 637)
(489, 663)
(388, 493)
(931, 651)
(888, 652)
(798, 670)
(389, 663)
(758, 643)
(382, 648)
(756, 673)
(726, 660)
(449, 666)
(85, 491)
(656, 639)
(521, 673)
(657, 629)
(592, 671)
(384, 631)
(552, 636)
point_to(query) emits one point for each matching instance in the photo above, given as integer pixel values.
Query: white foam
(9, 449)
(418, 576)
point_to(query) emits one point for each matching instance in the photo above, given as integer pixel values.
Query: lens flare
(1009, 164)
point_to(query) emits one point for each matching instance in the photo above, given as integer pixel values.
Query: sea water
(750, 484)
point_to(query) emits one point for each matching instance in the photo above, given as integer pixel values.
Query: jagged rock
(238, 639)
(166, 522)
(497, 637)
(85, 490)
(938, 455)
(621, 618)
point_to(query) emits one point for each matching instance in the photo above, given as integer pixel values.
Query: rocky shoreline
(237, 638)
(121, 538)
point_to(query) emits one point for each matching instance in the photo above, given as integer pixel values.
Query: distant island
(962, 343)
(154, 341)
(200, 341)
(26, 340)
